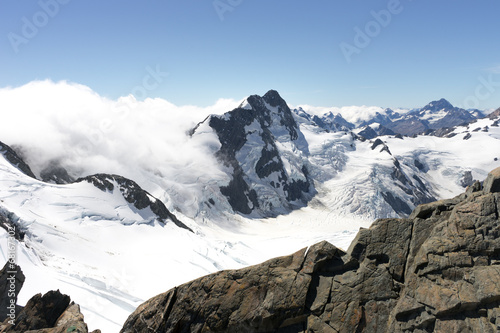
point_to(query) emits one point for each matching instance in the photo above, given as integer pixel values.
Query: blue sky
(425, 49)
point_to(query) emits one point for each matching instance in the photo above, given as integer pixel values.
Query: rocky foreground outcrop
(436, 271)
(50, 313)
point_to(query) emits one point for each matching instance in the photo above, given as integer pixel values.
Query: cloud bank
(353, 114)
(87, 133)
(146, 141)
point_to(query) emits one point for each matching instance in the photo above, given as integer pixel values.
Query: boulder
(492, 182)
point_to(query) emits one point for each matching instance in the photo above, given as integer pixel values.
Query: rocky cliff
(262, 145)
(436, 271)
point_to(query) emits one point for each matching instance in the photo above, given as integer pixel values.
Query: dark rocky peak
(11, 281)
(273, 98)
(478, 114)
(392, 114)
(382, 130)
(382, 119)
(318, 121)
(339, 122)
(454, 117)
(368, 133)
(439, 105)
(270, 111)
(409, 125)
(380, 144)
(15, 159)
(436, 271)
(55, 173)
(337, 118)
(303, 114)
(333, 122)
(494, 115)
(249, 137)
(134, 195)
(279, 115)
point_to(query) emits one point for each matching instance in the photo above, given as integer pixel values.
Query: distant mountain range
(434, 116)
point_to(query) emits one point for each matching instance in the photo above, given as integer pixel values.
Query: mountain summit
(435, 115)
(439, 105)
(263, 146)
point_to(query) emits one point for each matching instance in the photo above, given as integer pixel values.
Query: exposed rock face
(415, 192)
(15, 159)
(11, 281)
(333, 122)
(55, 173)
(370, 133)
(494, 115)
(7, 222)
(134, 194)
(434, 116)
(262, 144)
(383, 119)
(50, 313)
(436, 271)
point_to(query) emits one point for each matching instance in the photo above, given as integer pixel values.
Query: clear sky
(408, 53)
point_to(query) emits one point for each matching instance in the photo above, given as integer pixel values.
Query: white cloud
(353, 114)
(89, 134)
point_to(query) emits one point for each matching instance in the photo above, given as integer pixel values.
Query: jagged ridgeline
(436, 271)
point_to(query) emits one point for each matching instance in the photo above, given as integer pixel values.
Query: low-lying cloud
(353, 114)
(88, 134)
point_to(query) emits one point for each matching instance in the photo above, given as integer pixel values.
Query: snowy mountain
(374, 130)
(374, 122)
(435, 115)
(252, 182)
(264, 148)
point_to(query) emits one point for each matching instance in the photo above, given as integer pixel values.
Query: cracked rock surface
(436, 271)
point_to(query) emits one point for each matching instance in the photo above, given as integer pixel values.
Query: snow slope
(109, 256)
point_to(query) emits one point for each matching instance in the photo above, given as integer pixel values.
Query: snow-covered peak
(438, 105)
(264, 150)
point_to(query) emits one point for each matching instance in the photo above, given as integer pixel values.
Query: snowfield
(110, 256)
